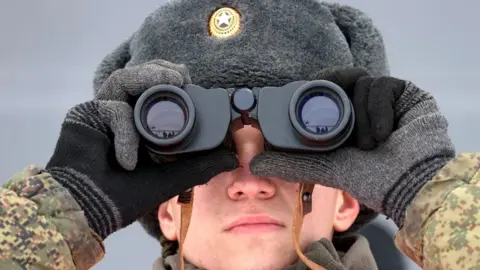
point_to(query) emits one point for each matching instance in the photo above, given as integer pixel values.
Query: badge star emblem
(224, 22)
(224, 19)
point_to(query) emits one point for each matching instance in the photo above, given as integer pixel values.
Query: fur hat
(252, 44)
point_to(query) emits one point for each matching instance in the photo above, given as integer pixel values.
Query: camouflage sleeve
(42, 226)
(442, 225)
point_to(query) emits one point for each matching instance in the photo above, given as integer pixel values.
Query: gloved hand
(127, 83)
(133, 81)
(96, 133)
(387, 178)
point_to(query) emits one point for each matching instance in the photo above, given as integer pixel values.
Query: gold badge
(225, 22)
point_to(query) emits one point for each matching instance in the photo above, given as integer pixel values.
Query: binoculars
(299, 116)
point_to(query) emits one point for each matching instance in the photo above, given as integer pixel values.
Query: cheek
(204, 212)
(205, 225)
(209, 195)
(205, 205)
(319, 223)
(206, 201)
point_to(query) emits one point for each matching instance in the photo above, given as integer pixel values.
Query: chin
(260, 251)
(260, 261)
(261, 254)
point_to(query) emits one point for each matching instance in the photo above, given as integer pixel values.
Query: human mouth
(254, 224)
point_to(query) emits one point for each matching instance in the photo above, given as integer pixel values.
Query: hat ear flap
(113, 61)
(365, 40)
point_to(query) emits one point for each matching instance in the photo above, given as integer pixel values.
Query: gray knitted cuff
(405, 190)
(101, 213)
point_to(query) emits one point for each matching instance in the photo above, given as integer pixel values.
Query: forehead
(277, 42)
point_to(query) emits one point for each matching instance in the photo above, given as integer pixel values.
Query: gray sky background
(49, 50)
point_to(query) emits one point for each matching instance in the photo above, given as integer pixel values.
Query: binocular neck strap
(186, 205)
(304, 206)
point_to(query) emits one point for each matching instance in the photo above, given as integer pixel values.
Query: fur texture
(278, 42)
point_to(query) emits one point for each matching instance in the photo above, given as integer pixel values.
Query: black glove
(85, 162)
(387, 178)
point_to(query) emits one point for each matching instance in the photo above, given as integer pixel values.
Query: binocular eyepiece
(299, 116)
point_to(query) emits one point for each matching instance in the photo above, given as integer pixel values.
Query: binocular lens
(165, 118)
(322, 114)
(164, 115)
(318, 112)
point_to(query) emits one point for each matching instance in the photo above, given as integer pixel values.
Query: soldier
(100, 178)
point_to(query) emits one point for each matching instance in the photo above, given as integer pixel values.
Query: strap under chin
(304, 206)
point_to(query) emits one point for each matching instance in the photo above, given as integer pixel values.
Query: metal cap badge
(224, 22)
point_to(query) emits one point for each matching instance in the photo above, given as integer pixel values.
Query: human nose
(249, 142)
(246, 186)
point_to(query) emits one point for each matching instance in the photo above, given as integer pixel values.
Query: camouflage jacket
(42, 227)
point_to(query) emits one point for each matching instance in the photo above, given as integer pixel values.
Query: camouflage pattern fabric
(442, 225)
(42, 226)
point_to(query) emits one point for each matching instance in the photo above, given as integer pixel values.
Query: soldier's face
(240, 221)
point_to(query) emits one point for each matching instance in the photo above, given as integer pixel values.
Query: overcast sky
(49, 50)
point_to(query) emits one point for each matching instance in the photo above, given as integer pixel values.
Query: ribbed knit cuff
(407, 187)
(102, 215)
